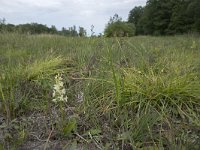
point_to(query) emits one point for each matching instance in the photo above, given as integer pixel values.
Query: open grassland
(122, 93)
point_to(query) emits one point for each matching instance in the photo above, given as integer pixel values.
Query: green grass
(123, 93)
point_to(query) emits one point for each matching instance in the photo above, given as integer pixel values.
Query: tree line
(35, 28)
(166, 17)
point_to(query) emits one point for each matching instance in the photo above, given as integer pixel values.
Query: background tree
(193, 12)
(156, 17)
(64, 32)
(180, 22)
(53, 29)
(82, 32)
(117, 27)
(163, 17)
(134, 17)
(73, 31)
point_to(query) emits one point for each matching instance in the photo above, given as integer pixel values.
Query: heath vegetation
(64, 90)
(99, 93)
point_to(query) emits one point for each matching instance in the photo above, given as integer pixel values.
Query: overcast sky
(66, 13)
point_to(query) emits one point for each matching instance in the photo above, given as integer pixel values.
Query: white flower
(61, 84)
(54, 93)
(59, 91)
(56, 87)
(54, 100)
(65, 99)
(63, 91)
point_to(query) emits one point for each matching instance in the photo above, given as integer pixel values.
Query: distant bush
(119, 28)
